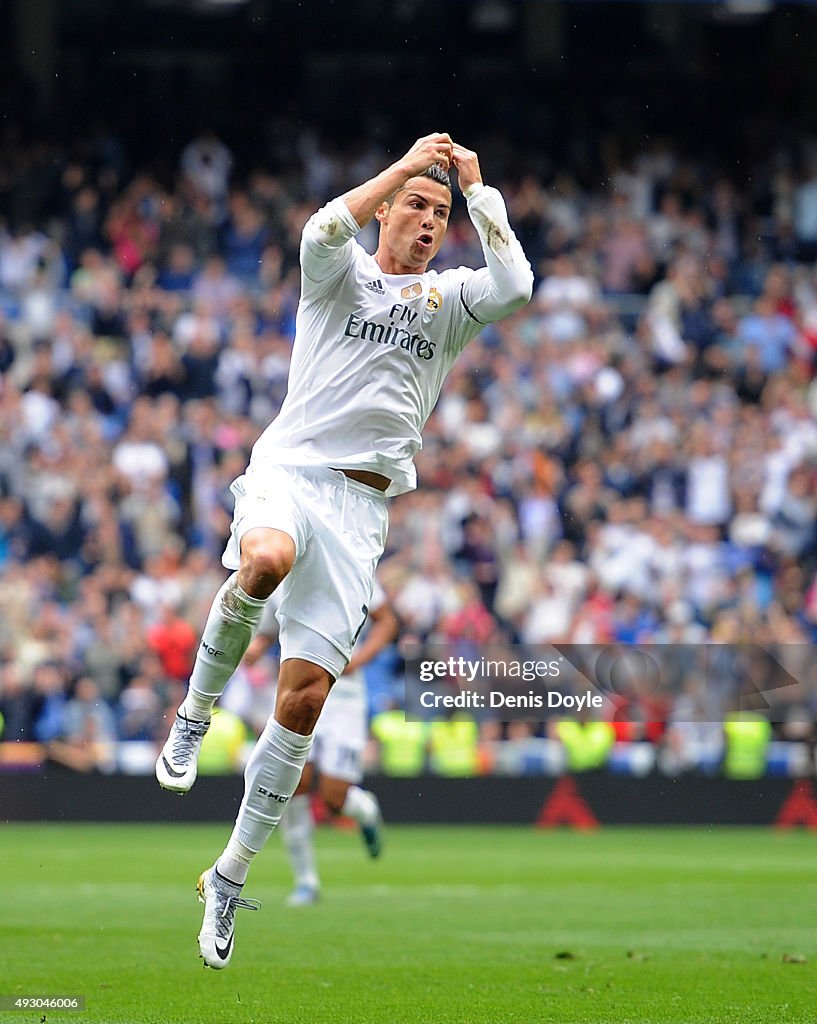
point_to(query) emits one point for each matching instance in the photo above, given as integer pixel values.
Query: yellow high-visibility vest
(455, 746)
(748, 735)
(221, 747)
(587, 744)
(402, 743)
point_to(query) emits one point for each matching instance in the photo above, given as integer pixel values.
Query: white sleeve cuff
(473, 189)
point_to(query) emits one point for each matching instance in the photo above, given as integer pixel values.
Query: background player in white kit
(374, 339)
(337, 751)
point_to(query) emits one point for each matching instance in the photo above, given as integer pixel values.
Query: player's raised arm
(328, 230)
(364, 200)
(506, 283)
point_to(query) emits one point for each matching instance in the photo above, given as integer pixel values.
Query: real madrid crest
(435, 301)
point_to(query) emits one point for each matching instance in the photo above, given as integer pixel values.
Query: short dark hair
(436, 173)
(439, 174)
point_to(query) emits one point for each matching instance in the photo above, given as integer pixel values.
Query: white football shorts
(339, 528)
(340, 735)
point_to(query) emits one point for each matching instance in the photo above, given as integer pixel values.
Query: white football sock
(361, 805)
(230, 626)
(297, 828)
(270, 778)
(198, 707)
(234, 863)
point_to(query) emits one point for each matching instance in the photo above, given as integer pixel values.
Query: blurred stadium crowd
(629, 459)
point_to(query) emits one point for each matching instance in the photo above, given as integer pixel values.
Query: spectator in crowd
(206, 164)
(86, 742)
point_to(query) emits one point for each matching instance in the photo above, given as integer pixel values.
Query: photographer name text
(498, 699)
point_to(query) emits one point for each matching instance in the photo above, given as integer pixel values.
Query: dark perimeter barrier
(582, 801)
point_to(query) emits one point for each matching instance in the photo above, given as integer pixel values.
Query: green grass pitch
(451, 926)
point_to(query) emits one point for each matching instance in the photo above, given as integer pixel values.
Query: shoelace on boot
(187, 734)
(224, 915)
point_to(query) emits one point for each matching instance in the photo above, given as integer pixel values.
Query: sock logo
(211, 650)
(272, 796)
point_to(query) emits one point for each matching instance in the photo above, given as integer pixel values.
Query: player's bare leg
(350, 801)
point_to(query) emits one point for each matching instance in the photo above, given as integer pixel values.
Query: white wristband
(472, 189)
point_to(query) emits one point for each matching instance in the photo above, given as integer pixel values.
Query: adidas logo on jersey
(375, 286)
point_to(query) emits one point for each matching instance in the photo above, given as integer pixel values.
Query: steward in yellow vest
(402, 743)
(587, 743)
(222, 746)
(747, 735)
(455, 745)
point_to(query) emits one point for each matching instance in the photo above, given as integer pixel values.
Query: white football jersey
(371, 350)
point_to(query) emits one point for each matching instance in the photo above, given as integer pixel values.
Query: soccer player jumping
(374, 339)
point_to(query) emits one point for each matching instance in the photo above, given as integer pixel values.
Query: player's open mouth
(426, 239)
